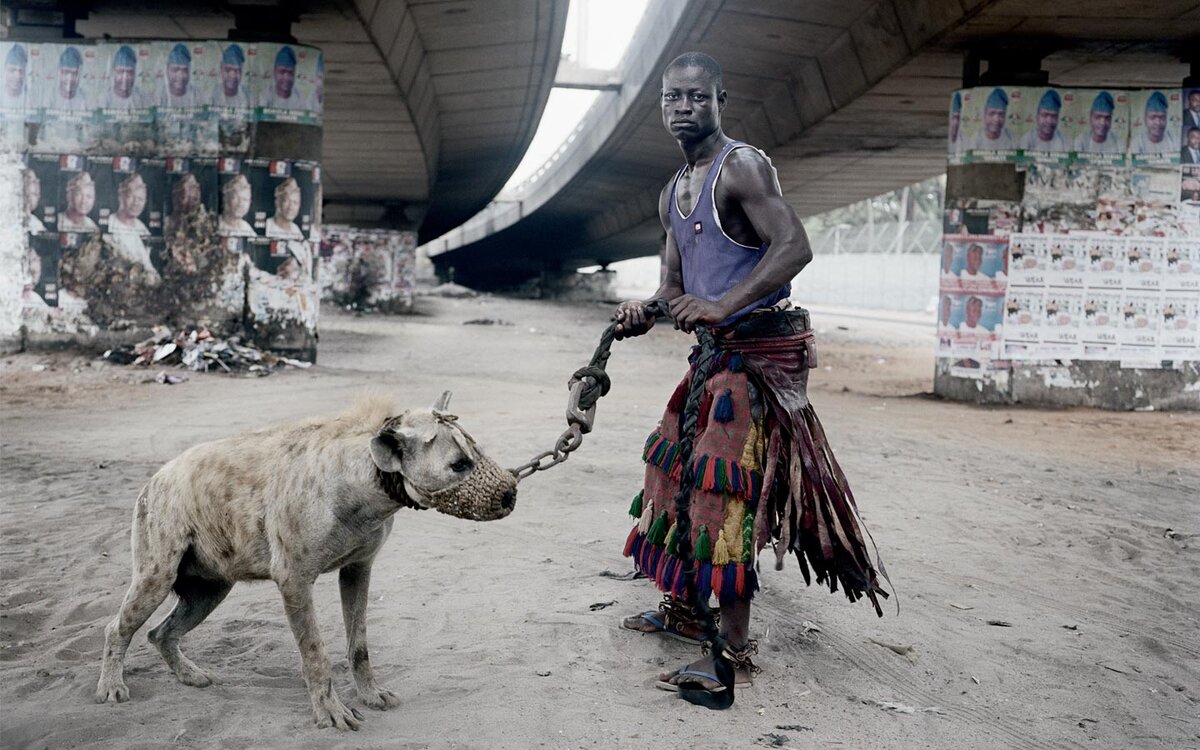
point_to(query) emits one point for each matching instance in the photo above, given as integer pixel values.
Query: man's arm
(631, 316)
(749, 181)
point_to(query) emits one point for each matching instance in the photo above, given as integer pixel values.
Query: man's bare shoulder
(747, 171)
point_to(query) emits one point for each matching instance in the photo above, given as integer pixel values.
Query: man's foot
(702, 674)
(672, 618)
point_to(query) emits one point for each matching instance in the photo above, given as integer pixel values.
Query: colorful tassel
(704, 581)
(658, 529)
(647, 517)
(703, 551)
(672, 544)
(748, 537)
(739, 580)
(705, 409)
(720, 555)
(635, 508)
(751, 449)
(633, 535)
(717, 580)
(735, 362)
(723, 411)
(729, 580)
(679, 397)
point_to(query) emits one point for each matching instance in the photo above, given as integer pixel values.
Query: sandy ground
(1079, 529)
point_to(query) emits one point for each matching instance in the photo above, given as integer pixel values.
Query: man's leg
(735, 629)
(673, 617)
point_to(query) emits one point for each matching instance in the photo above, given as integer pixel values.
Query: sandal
(673, 619)
(744, 671)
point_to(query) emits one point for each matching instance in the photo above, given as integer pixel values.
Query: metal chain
(587, 385)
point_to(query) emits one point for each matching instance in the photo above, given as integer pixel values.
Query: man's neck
(705, 149)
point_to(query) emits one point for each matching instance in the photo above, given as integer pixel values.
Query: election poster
(1099, 120)
(996, 117)
(1156, 117)
(1047, 136)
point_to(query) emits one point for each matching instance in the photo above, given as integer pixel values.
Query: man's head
(287, 199)
(124, 71)
(236, 198)
(185, 193)
(232, 60)
(693, 96)
(974, 258)
(974, 311)
(1193, 138)
(33, 190)
(131, 197)
(14, 70)
(1100, 118)
(1194, 100)
(995, 110)
(81, 195)
(1047, 115)
(69, 63)
(179, 70)
(1156, 117)
(955, 115)
(285, 72)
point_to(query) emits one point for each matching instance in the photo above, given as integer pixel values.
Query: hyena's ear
(443, 403)
(386, 451)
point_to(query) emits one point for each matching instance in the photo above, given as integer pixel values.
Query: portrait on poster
(1145, 261)
(1106, 261)
(125, 111)
(1099, 120)
(135, 219)
(1101, 325)
(184, 125)
(1182, 271)
(1068, 260)
(237, 199)
(232, 103)
(39, 273)
(14, 96)
(994, 114)
(1023, 313)
(1047, 134)
(1179, 325)
(77, 210)
(1063, 312)
(981, 263)
(287, 81)
(1156, 120)
(191, 193)
(1189, 185)
(68, 78)
(1141, 313)
(41, 192)
(1029, 259)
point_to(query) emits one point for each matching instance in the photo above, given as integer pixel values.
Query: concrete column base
(572, 286)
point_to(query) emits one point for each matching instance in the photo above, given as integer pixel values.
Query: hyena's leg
(328, 709)
(354, 580)
(198, 597)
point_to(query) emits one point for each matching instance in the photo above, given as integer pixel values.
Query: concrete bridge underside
(849, 97)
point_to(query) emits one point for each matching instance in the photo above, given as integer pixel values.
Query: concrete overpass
(429, 106)
(849, 97)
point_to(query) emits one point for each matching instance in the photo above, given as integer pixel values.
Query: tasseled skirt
(763, 474)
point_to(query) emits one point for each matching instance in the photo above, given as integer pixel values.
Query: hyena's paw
(380, 698)
(111, 691)
(329, 711)
(188, 673)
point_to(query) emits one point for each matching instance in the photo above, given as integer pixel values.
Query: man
(1098, 138)
(180, 93)
(66, 96)
(282, 224)
(1191, 115)
(81, 199)
(1155, 138)
(33, 196)
(732, 246)
(993, 135)
(974, 259)
(231, 94)
(236, 199)
(12, 96)
(125, 94)
(1190, 154)
(974, 311)
(126, 227)
(1044, 136)
(282, 94)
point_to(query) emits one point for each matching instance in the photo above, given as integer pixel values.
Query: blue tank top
(712, 262)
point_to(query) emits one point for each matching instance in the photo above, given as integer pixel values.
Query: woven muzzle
(488, 494)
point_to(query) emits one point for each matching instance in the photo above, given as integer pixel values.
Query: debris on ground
(601, 605)
(901, 708)
(632, 575)
(197, 349)
(486, 322)
(900, 649)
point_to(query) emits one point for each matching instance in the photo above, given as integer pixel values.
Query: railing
(922, 237)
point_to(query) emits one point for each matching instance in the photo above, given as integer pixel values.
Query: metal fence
(922, 237)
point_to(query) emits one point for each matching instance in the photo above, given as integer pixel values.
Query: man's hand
(632, 320)
(690, 311)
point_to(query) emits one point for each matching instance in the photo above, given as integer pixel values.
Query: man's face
(189, 193)
(288, 204)
(132, 203)
(974, 311)
(68, 82)
(14, 79)
(993, 121)
(1194, 138)
(285, 78)
(33, 191)
(83, 199)
(1101, 123)
(1047, 123)
(955, 119)
(123, 77)
(239, 202)
(1156, 126)
(974, 259)
(178, 76)
(1194, 101)
(231, 79)
(691, 104)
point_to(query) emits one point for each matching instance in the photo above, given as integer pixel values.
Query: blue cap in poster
(997, 100)
(1050, 101)
(70, 58)
(179, 55)
(285, 58)
(233, 55)
(956, 102)
(320, 62)
(1103, 103)
(125, 58)
(16, 56)
(1156, 103)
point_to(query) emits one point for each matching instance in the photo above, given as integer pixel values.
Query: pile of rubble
(199, 350)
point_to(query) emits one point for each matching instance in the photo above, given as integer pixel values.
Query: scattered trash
(793, 728)
(809, 627)
(1111, 669)
(901, 708)
(770, 739)
(542, 673)
(602, 605)
(1071, 627)
(632, 575)
(486, 322)
(902, 650)
(197, 349)
(167, 378)
(40, 367)
(960, 606)
(974, 679)
(1008, 421)
(1000, 623)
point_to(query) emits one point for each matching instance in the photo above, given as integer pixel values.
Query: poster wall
(368, 268)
